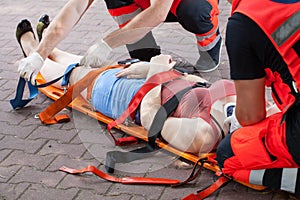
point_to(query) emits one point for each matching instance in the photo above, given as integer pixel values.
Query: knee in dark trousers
(111, 4)
(194, 16)
(144, 54)
(224, 151)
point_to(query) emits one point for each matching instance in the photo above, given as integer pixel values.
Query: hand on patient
(30, 66)
(96, 55)
(136, 70)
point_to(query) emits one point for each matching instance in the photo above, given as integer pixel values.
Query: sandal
(23, 27)
(43, 23)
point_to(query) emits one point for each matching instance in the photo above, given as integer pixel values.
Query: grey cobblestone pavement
(31, 153)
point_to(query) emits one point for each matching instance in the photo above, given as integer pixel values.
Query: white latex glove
(135, 70)
(30, 66)
(231, 123)
(96, 54)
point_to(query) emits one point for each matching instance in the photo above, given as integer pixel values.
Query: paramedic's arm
(61, 25)
(250, 103)
(140, 25)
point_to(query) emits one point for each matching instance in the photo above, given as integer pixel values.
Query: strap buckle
(202, 84)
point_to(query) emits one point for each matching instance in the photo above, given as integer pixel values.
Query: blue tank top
(111, 95)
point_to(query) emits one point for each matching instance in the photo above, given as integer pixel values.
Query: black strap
(219, 126)
(113, 157)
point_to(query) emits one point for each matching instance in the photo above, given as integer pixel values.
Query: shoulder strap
(152, 82)
(47, 116)
(113, 157)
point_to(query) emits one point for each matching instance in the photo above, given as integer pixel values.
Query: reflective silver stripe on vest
(287, 29)
(288, 180)
(256, 177)
(126, 17)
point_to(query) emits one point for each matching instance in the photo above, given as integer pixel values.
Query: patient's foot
(25, 36)
(43, 23)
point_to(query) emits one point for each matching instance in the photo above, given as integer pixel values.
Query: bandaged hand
(136, 70)
(231, 123)
(96, 55)
(30, 66)
(160, 63)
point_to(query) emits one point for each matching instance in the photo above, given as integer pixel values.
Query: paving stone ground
(31, 153)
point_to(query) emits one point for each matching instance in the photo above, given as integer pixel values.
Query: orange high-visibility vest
(281, 23)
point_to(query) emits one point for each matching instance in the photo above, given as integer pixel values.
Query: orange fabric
(282, 90)
(123, 180)
(207, 41)
(270, 16)
(208, 191)
(252, 146)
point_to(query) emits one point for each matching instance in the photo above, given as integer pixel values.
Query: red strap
(152, 82)
(208, 191)
(128, 140)
(125, 180)
(57, 119)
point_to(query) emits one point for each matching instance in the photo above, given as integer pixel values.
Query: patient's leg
(64, 57)
(56, 55)
(52, 69)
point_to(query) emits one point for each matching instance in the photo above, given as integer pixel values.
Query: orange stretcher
(81, 105)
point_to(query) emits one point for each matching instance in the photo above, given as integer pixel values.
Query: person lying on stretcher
(197, 124)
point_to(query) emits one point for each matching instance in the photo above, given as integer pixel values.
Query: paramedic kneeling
(264, 50)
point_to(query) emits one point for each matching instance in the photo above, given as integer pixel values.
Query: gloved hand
(136, 70)
(96, 54)
(30, 66)
(231, 123)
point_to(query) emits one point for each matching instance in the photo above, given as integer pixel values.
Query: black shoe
(23, 27)
(209, 60)
(43, 23)
(183, 66)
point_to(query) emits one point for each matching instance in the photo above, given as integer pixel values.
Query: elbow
(161, 18)
(160, 15)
